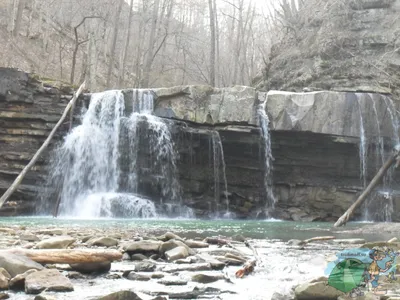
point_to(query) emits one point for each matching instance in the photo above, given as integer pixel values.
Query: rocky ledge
(325, 146)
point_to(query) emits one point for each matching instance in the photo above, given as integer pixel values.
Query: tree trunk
(238, 44)
(127, 40)
(217, 61)
(374, 182)
(150, 49)
(18, 17)
(212, 50)
(68, 256)
(21, 176)
(114, 42)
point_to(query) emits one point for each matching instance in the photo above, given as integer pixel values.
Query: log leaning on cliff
(374, 182)
(68, 256)
(21, 175)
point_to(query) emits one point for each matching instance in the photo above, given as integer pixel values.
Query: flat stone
(157, 275)
(51, 231)
(17, 264)
(138, 277)
(29, 237)
(173, 281)
(18, 282)
(138, 257)
(196, 244)
(145, 266)
(215, 263)
(103, 242)
(206, 278)
(60, 242)
(142, 247)
(190, 268)
(176, 253)
(122, 295)
(50, 280)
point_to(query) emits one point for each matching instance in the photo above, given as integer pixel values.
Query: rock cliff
(340, 46)
(325, 145)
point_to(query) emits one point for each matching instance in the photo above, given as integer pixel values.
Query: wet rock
(316, 291)
(101, 267)
(279, 296)
(176, 253)
(145, 266)
(159, 298)
(156, 257)
(29, 238)
(171, 244)
(138, 277)
(87, 238)
(169, 236)
(229, 261)
(172, 281)
(157, 275)
(138, 257)
(45, 297)
(103, 242)
(142, 247)
(349, 241)
(75, 275)
(196, 244)
(60, 242)
(17, 264)
(4, 296)
(50, 280)
(190, 268)
(122, 295)
(18, 282)
(113, 276)
(206, 278)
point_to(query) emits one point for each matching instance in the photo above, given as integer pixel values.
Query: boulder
(169, 236)
(316, 291)
(142, 247)
(51, 280)
(18, 282)
(60, 242)
(171, 244)
(17, 264)
(206, 278)
(4, 282)
(122, 295)
(103, 242)
(176, 253)
(100, 267)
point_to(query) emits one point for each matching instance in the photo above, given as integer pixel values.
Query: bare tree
(212, 50)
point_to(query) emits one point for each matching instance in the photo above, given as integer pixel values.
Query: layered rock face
(29, 109)
(340, 46)
(326, 146)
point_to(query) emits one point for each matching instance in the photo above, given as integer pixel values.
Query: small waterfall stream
(363, 146)
(263, 120)
(96, 169)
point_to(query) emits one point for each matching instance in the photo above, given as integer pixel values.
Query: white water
(219, 161)
(268, 158)
(97, 169)
(363, 146)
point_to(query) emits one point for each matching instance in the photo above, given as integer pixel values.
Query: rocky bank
(315, 141)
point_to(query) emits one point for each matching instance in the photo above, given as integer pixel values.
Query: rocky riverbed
(160, 264)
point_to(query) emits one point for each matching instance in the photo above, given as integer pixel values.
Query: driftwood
(21, 175)
(246, 269)
(68, 256)
(319, 238)
(394, 158)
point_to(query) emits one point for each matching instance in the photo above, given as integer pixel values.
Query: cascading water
(363, 146)
(263, 120)
(219, 160)
(96, 169)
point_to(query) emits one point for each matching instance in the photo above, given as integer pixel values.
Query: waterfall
(263, 120)
(219, 161)
(363, 146)
(97, 172)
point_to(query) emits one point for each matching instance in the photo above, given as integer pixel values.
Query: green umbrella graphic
(347, 275)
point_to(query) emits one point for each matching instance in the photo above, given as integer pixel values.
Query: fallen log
(246, 269)
(68, 256)
(394, 158)
(319, 238)
(21, 175)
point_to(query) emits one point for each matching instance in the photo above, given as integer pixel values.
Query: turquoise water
(250, 229)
